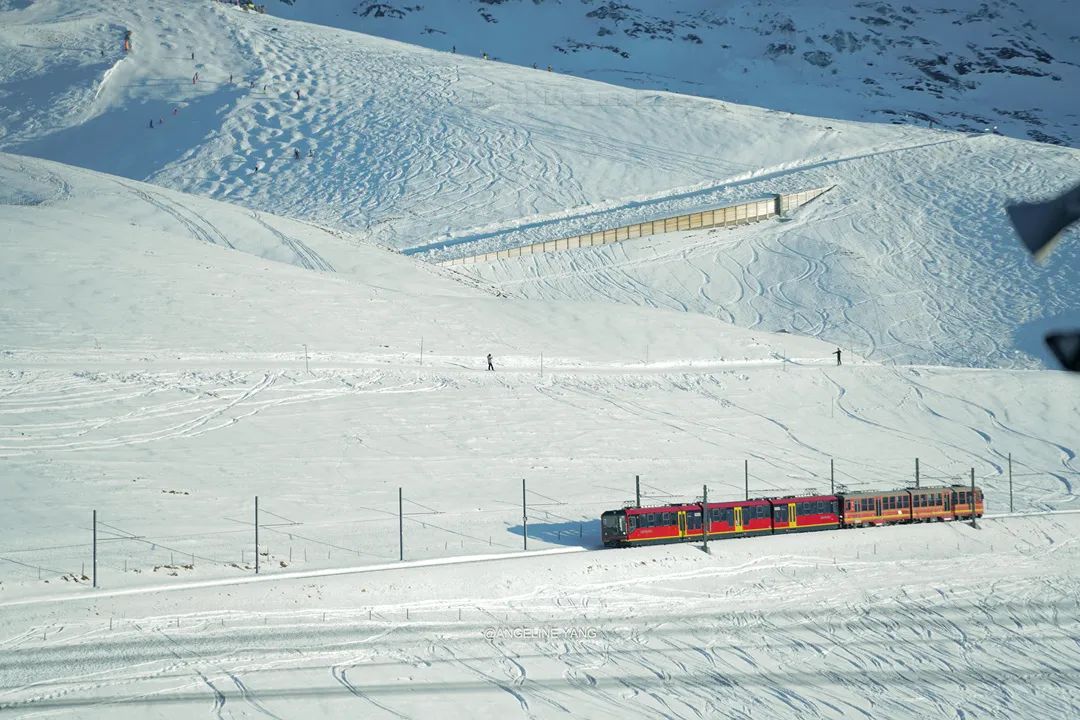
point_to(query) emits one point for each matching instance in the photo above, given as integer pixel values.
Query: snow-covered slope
(417, 149)
(875, 265)
(929, 622)
(150, 371)
(963, 64)
(94, 263)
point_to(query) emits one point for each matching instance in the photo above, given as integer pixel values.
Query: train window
(651, 519)
(667, 518)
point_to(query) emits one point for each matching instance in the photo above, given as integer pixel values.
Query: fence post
(973, 498)
(705, 517)
(95, 549)
(256, 534)
(1010, 484)
(400, 527)
(524, 518)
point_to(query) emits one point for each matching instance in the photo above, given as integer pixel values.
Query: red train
(773, 516)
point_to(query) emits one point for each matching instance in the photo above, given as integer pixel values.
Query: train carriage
(804, 514)
(877, 508)
(766, 516)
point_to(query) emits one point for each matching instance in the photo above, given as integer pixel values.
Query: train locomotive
(633, 525)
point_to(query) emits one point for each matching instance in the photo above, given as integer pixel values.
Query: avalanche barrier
(754, 211)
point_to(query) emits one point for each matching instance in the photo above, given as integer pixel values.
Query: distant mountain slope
(963, 64)
(411, 148)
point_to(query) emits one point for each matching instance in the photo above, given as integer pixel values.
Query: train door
(738, 519)
(682, 524)
(791, 517)
(877, 506)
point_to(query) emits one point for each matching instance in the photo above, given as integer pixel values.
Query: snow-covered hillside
(962, 64)
(417, 149)
(166, 357)
(926, 622)
(155, 375)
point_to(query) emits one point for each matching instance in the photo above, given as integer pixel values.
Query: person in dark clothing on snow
(296, 154)
(837, 354)
(490, 365)
(297, 94)
(151, 123)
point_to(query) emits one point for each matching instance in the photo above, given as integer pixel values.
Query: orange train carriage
(772, 516)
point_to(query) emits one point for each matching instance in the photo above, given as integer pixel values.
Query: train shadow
(585, 533)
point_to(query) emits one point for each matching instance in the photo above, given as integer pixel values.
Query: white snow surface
(166, 357)
(962, 64)
(441, 154)
(156, 375)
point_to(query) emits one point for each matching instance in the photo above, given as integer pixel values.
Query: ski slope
(162, 366)
(166, 357)
(433, 153)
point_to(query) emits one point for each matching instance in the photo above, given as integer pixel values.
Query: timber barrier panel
(742, 214)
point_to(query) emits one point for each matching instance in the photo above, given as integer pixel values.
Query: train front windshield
(613, 524)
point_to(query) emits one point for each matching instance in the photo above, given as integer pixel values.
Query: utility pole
(400, 527)
(1010, 484)
(705, 517)
(524, 518)
(256, 534)
(832, 477)
(916, 473)
(973, 498)
(94, 571)
(637, 489)
(746, 477)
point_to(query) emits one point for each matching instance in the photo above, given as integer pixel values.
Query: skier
(837, 354)
(454, 50)
(297, 94)
(192, 56)
(490, 365)
(256, 166)
(151, 123)
(484, 55)
(296, 154)
(230, 78)
(195, 78)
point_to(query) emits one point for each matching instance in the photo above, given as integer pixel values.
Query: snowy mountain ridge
(960, 64)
